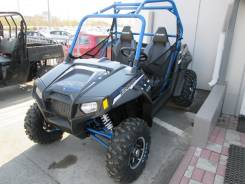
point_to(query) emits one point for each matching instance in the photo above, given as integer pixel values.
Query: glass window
(55, 33)
(29, 33)
(35, 34)
(99, 39)
(84, 40)
(41, 35)
(64, 34)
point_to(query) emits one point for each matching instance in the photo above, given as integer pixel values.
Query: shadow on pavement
(13, 95)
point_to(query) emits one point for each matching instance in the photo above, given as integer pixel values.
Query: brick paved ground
(207, 165)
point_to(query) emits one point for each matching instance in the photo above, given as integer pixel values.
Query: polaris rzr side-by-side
(113, 97)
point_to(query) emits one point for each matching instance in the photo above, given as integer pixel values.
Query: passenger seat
(7, 47)
(158, 52)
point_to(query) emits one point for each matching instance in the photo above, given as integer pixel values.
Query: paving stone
(226, 144)
(198, 152)
(214, 157)
(232, 136)
(184, 180)
(197, 174)
(223, 160)
(208, 178)
(225, 151)
(219, 141)
(194, 182)
(206, 165)
(193, 161)
(189, 171)
(221, 170)
(242, 136)
(215, 131)
(221, 137)
(219, 179)
(214, 147)
(212, 139)
(205, 153)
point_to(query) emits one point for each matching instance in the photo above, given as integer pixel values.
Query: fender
(144, 99)
(184, 60)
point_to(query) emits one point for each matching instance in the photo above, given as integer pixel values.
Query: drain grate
(235, 170)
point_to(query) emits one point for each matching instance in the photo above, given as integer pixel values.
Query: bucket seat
(158, 52)
(126, 40)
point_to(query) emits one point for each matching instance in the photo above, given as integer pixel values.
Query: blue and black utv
(113, 98)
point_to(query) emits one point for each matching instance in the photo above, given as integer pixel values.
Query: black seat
(7, 47)
(126, 40)
(158, 52)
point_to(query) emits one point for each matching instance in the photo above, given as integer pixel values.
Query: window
(29, 33)
(64, 33)
(99, 39)
(41, 35)
(55, 32)
(35, 34)
(84, 40)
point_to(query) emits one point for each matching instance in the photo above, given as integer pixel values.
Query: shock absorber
(107, 121)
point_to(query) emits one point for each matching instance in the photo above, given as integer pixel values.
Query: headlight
(39, 93)
(89, 107)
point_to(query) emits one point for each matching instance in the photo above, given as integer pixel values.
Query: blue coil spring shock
(107, 121)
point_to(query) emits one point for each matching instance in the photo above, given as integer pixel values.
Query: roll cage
(135, 9)
(14, 21)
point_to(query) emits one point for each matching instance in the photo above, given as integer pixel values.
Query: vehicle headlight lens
(39, 93)
(89, 107)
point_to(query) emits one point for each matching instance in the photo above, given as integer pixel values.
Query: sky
(64, 9)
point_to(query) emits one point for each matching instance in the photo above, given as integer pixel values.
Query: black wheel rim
(137, 153)
(49, 128)
(192, 89)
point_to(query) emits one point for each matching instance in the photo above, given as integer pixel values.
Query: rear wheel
(37, 129)
(188, 91)
(129, 149)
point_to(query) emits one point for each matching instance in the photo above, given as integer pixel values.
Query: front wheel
(37, 129)
(128, 151)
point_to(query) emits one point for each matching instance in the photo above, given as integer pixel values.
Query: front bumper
(64, 115)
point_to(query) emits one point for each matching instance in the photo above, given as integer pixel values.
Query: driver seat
(126, 40)
(158, 52)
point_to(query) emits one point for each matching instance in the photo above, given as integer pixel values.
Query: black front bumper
(63, 115)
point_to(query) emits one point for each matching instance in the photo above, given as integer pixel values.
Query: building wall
(188, 11)
(235, 71)
(210, 24)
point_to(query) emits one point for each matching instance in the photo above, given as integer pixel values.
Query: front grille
(59, 108)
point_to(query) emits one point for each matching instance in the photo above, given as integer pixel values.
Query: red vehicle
(86, 42)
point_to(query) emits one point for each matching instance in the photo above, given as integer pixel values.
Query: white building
(215, 33)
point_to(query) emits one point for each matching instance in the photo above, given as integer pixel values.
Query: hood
(77, 79)
(84, 80)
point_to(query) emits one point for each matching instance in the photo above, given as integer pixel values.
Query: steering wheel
(130, 52)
